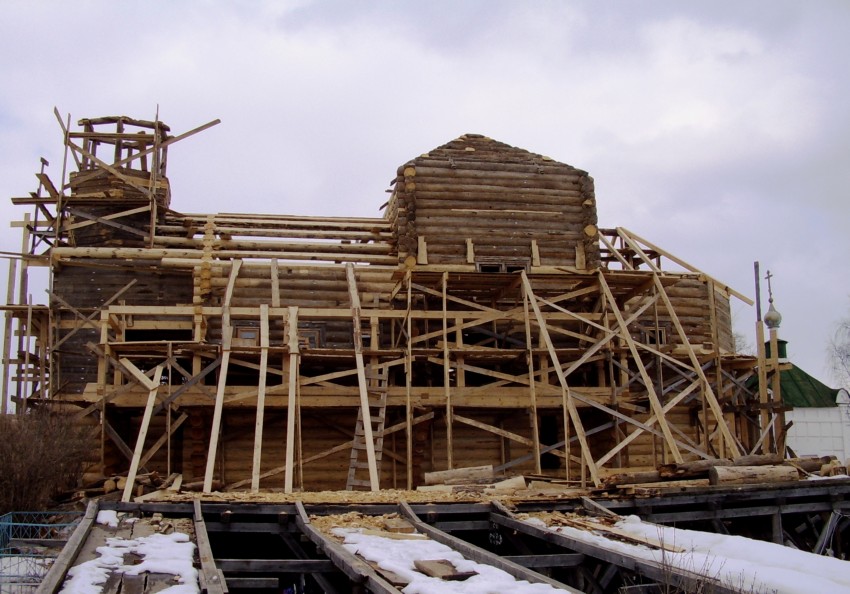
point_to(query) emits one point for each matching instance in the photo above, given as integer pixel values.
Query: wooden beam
(574, 416)
(649, 422)
(212, 578)
(708, 393)
(338, 448)
(365, 410)
(447, 376)
(684, 264)
(292, 402)
(163, 438)
(88, 320)
(153, 386)
(535, 433)
(275, 276)
(408, 382)
(655, 403)
(261, 397)
(226, 339)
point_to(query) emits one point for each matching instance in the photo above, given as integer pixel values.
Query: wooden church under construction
(485, 319)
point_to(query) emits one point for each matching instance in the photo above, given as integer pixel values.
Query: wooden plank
(275, 276)
(684, 264)
(292, 403)
(226, 339)
(447, 378)
(338, 448)
(143, 432)
(535, 433)
(163, 438)
(647, 381)
(587, 456)
(51, 582)
(408, 381)
(261, 397)
(651, 421)
(211, 576)
(374, 479)
(708, 393)
(442, 569)
(355, 568)
(478, 554)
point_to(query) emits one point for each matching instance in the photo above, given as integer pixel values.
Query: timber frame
(294, 352)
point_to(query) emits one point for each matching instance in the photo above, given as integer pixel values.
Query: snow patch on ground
(398, 556)
(108, 517)
(734, 560)
(161, 553)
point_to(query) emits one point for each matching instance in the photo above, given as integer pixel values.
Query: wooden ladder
(358, 469)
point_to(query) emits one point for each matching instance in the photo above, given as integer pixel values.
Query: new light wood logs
(746, 475)
(460, 475)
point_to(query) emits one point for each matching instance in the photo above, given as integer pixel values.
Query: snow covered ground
(398, 556)
(752, 565)
(161, 553)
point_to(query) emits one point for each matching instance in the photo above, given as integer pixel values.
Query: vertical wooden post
(708, 393)
(291, 405)
(532, 389)
(226, 340)
(261, 396)
(553, 354)
(446, 378)
(365, 409)
(7, 335)
(275, 275)
(408, 380)
(153, 387)
(655, 403)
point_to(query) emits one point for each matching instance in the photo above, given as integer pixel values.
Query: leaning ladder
(358, 468)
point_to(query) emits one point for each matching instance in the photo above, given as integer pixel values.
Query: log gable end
(479, 202)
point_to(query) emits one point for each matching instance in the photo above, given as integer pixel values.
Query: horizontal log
(365, 235)
(744, 475)
(810, 463)
(470, 169)
(148, 254)
(280, 246)
(758, 460)
(460, 475)
(698, 468)
(565, 198)
(463, 161)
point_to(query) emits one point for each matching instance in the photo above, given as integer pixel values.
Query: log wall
(87, 288)
(476, 200)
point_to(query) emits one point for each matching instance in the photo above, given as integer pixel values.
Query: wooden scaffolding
(485, 319)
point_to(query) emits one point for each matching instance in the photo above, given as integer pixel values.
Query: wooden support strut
(708, 393)
(574, 416)
(655, 403)
(261, 397)
(153, 386)
(226, 338)
(292, 401)
(365, 410)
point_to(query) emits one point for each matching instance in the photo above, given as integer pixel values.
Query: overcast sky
(718, 130)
